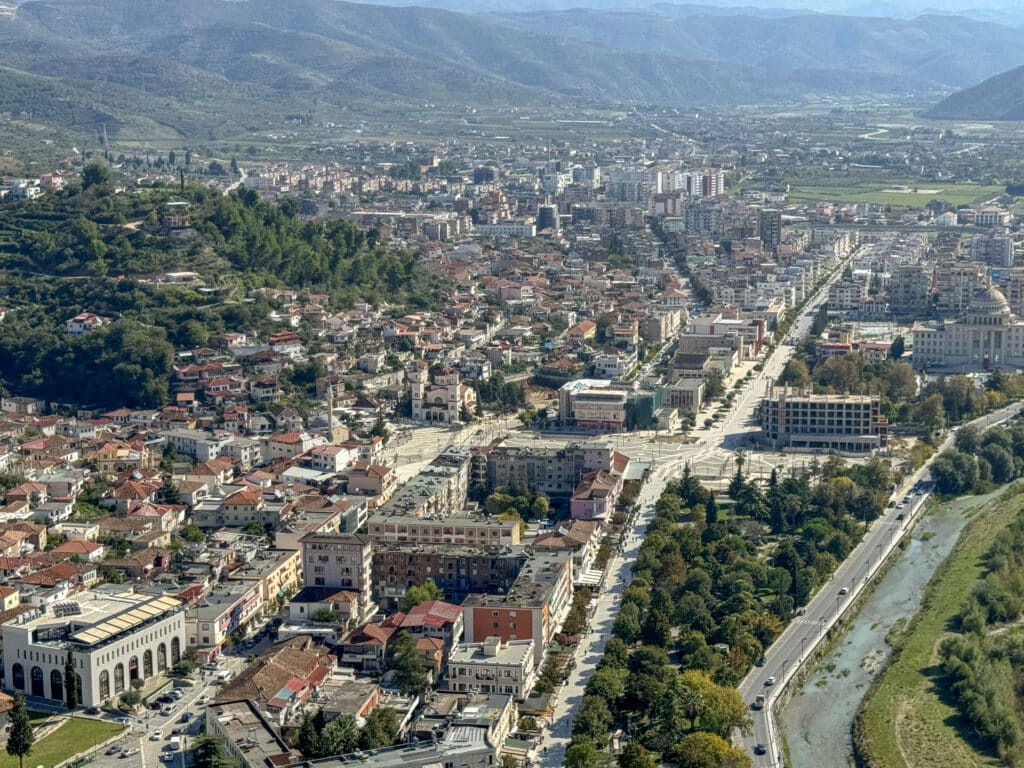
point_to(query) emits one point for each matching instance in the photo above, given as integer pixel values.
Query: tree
(635, 756)
(308, 739)
(711, 510)
(193, 533)
(900, 381)
(707, 750)
(931, 413)
(381, 729)
(897, 348)
(170, 493)
(410, 671)
(209, 752)
(593, 719)
(540, 507)
(581, 754)
(714, 384)
(20, 736)
(422, 593)
(627, 623)
(609, 683)
(131, 699)
(954, 472)
(340, 736)
(968, 439)
(72, 683)
(95, 173)
(795, 373)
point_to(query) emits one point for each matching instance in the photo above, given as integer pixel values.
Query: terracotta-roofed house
(595, 496)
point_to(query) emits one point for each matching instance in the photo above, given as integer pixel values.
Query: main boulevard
(719, 440)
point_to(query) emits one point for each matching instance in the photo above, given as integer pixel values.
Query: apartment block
(793, 417)
(493, 666)
(458, 570)
(534, 608)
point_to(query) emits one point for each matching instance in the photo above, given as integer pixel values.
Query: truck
(759, 701)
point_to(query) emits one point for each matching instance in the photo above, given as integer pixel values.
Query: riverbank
(905, 721)
(817, 722)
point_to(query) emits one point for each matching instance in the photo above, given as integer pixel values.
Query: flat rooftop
(251, 733)
(94, 617)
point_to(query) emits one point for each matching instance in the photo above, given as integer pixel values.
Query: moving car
(770, 680)
(843, 590)
(760, 749)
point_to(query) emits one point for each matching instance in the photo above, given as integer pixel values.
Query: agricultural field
(904, 194)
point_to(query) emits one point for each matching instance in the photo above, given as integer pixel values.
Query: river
(817, 721)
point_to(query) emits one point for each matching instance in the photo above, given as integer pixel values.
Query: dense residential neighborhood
(432, 454)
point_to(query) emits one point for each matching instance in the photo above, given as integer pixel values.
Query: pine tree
(308, 741)
(70, 683)
(711, 510)
(20, 736)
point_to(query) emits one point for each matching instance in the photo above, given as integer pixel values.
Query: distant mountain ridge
(210, 68)
(998, 98)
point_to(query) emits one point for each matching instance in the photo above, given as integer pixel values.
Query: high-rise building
(769, 225)
(994, 248)
(547, 218)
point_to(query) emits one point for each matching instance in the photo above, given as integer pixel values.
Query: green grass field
(75, 736)
(905, 721)
(882, 193)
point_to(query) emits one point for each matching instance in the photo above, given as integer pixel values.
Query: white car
(770, 680)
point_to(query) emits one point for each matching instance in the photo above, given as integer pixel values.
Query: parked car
(93, 711)
(130, 752)
(155, 736)
(113, 749)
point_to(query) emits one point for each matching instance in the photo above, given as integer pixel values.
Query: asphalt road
(799, 639)
(731, 432)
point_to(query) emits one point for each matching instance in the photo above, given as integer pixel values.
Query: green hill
(211, 68)
(998, 98)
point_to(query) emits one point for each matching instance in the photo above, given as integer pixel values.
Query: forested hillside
(91, 250)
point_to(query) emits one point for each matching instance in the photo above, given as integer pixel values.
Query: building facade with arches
(113, 638)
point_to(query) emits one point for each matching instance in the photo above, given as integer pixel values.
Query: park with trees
(713, 585)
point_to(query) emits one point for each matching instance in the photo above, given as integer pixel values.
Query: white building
(989, 337)
(492, 666)
(507, 229)
(113, 637)
(442, 401)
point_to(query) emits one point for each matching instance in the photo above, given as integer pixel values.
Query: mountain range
(213, 68)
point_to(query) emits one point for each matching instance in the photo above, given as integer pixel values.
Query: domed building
(986, 338)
